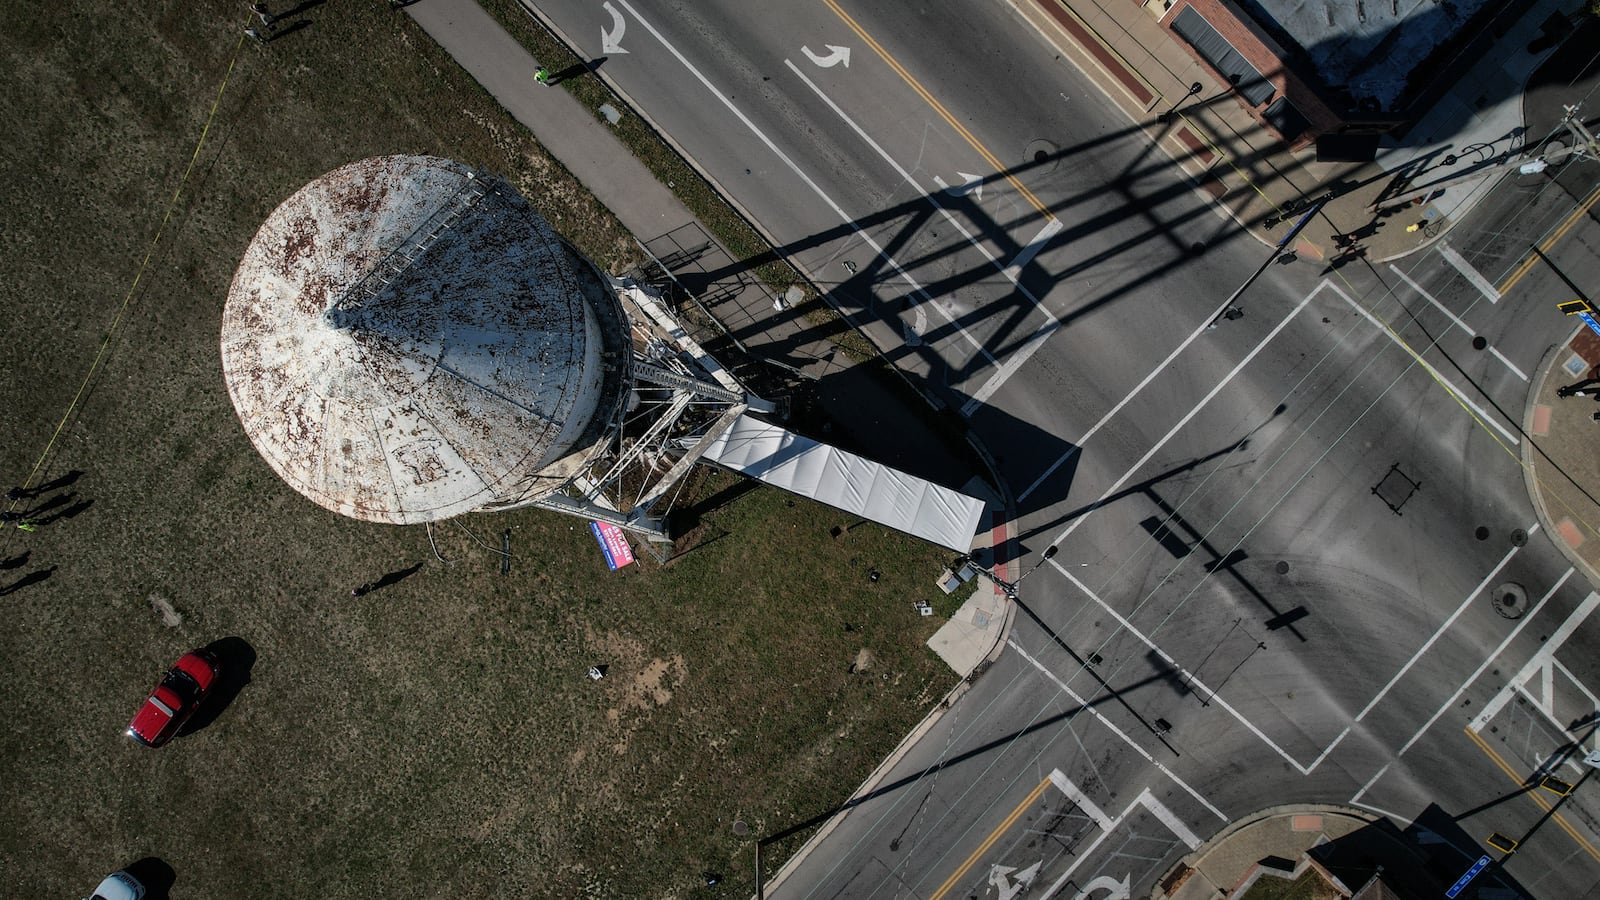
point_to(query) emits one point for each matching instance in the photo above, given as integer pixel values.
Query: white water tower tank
(406, 340)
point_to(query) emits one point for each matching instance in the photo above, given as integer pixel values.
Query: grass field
(436, 738)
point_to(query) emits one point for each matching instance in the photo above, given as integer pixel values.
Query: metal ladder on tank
(415, 245)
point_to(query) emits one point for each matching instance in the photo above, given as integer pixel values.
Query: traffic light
(1575, 307)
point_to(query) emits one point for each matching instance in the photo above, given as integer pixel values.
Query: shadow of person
(51, 503)
(236, 658)
(28, 580)
(67, 513)
(156, 876)
(396, 577)
(577, 69)
(65, 480)
(16, 562)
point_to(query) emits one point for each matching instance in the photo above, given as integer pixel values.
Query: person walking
(543, 76)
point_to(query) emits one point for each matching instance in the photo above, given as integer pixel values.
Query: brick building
(1337, 73)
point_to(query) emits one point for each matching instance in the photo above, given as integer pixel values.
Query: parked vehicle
(118, 886)
(175, 699)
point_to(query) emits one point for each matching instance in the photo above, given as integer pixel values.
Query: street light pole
(1172, 113)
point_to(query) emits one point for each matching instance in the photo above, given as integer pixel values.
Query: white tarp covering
(852, 483)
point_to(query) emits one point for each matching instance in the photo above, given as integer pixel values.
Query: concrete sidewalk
(862, 408)
(665, 226)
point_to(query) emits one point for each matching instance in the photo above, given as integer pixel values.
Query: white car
(119, 886)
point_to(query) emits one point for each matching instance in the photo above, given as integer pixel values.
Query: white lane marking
(1508, 364)
(836, 55)
(1010, 366)
(1166, 817)
(1149, 802)
(884, 155)
(1084, 854)
(1437, 375)
(1027, 253)
(1195, 410)
(1372, 781)
(1078, 446)
(1493, 707)
(1050, 229)
(1115, 730)
(1457, 320)
(1593, 700)
(1468, 272)
(1391, 816)
(1036, 340)
(1436, 304)
(894, 266)
(1080, 799)
(1547, 683)
(611, 41)
(1487, 661)
(1214, 698)
(1438, 632)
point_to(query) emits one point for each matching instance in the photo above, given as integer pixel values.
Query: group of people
(1589, 387)
(12, 517)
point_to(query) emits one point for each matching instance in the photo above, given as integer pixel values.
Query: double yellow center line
(937, 106)
(1543, 803)
(989, 841)
(1545, 245)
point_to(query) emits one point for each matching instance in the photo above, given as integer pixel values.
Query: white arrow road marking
(835, 56)
(611, 41)
(1026, 254)
(1011, 888)
(971, 184)
(1115, 890)
(1107, 826)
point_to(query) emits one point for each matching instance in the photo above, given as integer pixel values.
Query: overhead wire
(127, 299)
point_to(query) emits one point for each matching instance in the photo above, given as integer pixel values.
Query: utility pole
(1231, 310)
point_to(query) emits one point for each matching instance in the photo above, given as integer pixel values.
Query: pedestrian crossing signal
(1574, 307)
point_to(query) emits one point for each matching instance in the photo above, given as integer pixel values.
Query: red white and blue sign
(613, 543)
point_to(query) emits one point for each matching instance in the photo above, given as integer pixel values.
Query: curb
(1530, 479)
(1191, 861)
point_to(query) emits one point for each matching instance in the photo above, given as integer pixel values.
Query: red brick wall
(1267, 56)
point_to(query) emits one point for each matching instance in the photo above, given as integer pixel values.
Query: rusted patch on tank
(454, 382)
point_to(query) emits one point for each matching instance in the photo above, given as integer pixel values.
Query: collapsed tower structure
(407, 340)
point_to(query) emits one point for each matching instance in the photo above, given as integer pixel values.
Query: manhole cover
(1283, 568)
(1519, 538)
(1510, 600)
(740, 828)
(1041, 156)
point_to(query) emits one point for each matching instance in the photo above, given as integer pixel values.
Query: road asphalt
(1220, 146)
